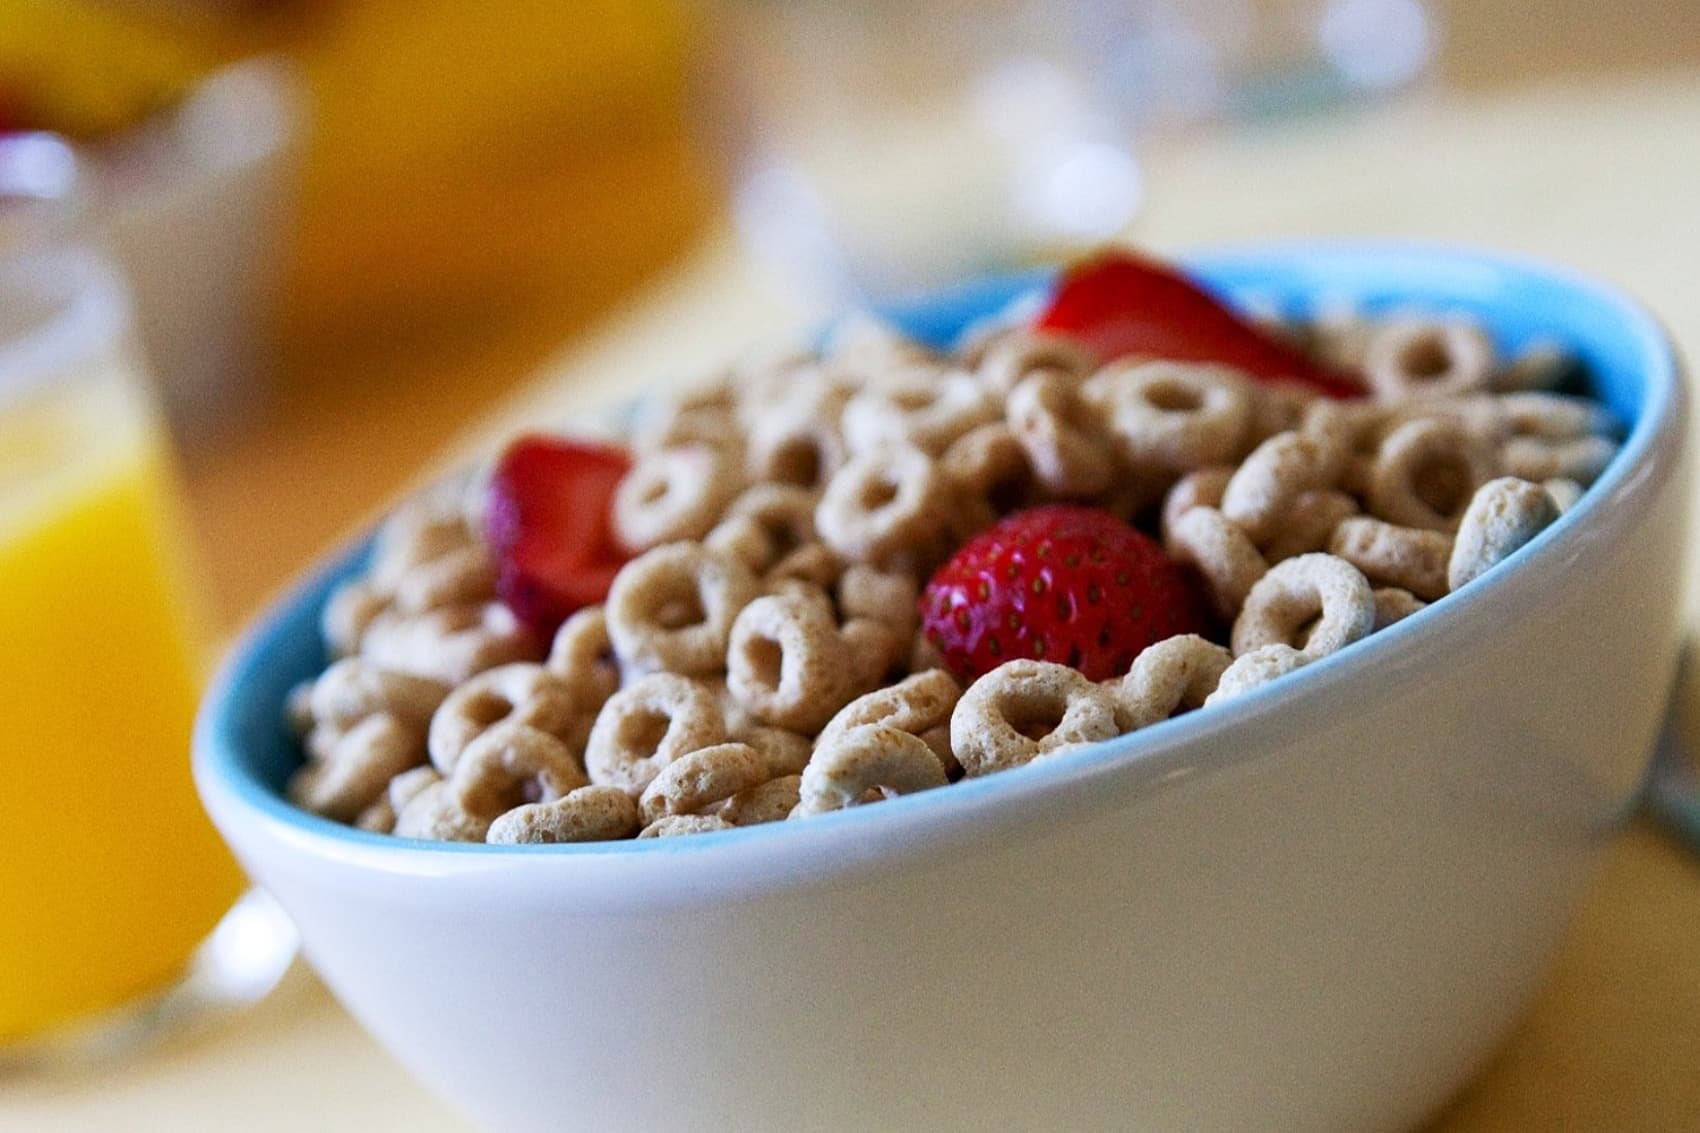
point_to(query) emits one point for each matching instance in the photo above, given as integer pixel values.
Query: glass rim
(84, 309)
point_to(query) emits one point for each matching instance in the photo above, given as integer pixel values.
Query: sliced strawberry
(1060, 583)
(548, 519)
(1117, 304)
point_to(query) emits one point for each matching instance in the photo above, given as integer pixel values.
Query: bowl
(1319, 906)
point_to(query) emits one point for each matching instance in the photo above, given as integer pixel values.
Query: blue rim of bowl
(1159, 752)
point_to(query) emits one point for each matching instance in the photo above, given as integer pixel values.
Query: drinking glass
(120, 911)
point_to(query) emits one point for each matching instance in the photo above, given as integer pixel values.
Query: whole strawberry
(1061, 583)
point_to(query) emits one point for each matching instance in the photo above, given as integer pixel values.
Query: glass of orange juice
(119, 907)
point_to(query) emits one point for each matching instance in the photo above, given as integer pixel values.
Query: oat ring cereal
(1263, 488)
(582, 656)
(766, 524)
(925, 407)
(354, 688)
(1256, 669)
(1394, 605)
(672, 608)
(450, 644)
(510, 765)
(1315, 603)
(356, 766)
(1427, 357)
(521, 693)
(869, 759)
(918, 704)
(1425, 473)
(1410, 558)
(882, 505)
(1503, 515)
(772, 801)
(1230, 563)
(673, 494)
(1017, 355)
(588, 814)
(699, 779)
(1581, 459)
(1312, 520)
(432, 813)
(788, 664)
(674, 825)
(1026, 709)
(1173, 416)
(1060, 435)
(1202, 487)
(1175, 673)
(647, 725)
(988, 473)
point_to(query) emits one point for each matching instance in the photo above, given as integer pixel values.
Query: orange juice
(109, 873)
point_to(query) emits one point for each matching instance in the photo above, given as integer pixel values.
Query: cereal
(1414, 357)
(1173, 416)
(869, 758)
(788, 664)
(697, 780)
(674, 494)
(588, 814)
(1064, 444)
(761, 658)
(521, 693)
(885, 505)
(1023, 710)
(647, 725)
(1409, 558)
(672, 608)
(1315, 603)
(1173, 674)
(1503, 515)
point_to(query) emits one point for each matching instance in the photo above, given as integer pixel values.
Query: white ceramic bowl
(1318, 907)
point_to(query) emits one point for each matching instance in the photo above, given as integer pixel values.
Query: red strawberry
(1059, 583)
(548, 520)
(1118, 304)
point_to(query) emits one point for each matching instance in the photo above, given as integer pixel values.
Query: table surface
(1604, 177)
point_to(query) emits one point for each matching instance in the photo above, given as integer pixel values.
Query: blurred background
(353, 225)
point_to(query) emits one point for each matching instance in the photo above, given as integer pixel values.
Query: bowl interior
(1625, 359)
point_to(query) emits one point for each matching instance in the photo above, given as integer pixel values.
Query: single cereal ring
(672, 608)
(1256, 669)
(814, 563)
(1019, 354)
(510, 765)
(1503, 515)
(1343, 426)
(674, 825)
(788, 664)
(1564, 492)
(582, 657)
(875, 648)
(765, 524)
(1173, 416)
(1263, 488)
(883, 596)
(1311, 522)
(1227, 558)
(1394, 605)
(1168, 675)
(456, 578)
(434, 815)
(989, 475)
(1323, 592)
(772, 801)
(1065, 446)
(1278, 407)
(354, 688)
(352, 608)
(699, 779)
(783, 752)
(451, 644)
(923, 407)
(356, 766)
(1555, 416)
(1542, 365)
(1425, 473)
(521, 693)
(1026, 709)
(1581, 459)
(918, 704)
(1409, 558)
(1202, 487)
(796, 444)
(589, 814)
(674, 494)
(647, 725)
(885, 504)
(421, 530)
(1427, 357)
(869, 758)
